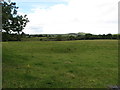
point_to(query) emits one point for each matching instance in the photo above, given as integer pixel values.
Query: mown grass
(60, 64)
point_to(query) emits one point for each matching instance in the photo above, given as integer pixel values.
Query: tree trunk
(18, 36)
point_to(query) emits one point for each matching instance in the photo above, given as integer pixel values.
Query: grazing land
(60, 64)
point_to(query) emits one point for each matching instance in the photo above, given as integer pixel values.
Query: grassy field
(60, 64)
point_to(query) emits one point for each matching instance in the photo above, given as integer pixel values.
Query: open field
(60, 64)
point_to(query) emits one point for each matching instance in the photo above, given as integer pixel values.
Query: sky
(70, 16)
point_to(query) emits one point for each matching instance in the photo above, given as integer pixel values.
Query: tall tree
(11, 21)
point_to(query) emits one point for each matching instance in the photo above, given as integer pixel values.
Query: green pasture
(60, 64)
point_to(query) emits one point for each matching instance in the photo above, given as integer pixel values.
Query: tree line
(86, 37)
(67, 37)
(58, 37)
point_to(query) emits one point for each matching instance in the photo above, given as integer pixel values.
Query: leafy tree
(109, 36)
(11, 21)
(88, 36)
(71, 38)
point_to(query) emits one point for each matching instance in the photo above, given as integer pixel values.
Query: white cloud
(93, 16)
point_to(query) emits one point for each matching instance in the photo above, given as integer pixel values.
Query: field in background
(60, 64)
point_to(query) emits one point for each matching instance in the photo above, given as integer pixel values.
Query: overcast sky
(70, 16)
